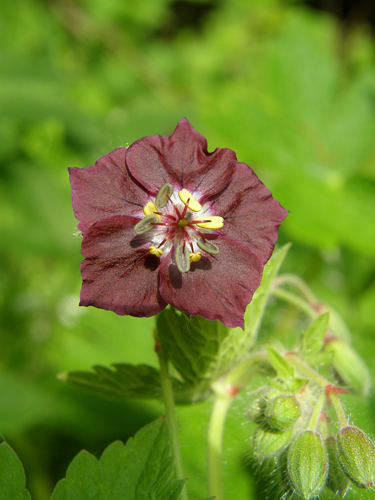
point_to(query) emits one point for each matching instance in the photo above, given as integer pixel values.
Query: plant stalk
(219, 412)
(170, 413)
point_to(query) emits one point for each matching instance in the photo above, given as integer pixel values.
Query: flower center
(178, 223)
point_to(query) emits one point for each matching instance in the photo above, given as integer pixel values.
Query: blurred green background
(290, 89)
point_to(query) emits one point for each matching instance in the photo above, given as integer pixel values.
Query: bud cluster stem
(294, 299)
(307, 370)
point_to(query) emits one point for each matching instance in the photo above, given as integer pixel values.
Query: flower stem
(220, 409)
(315, 415)
(343, 421)
(294, 299)
(170, 412)
(296, 281)
(307, 370)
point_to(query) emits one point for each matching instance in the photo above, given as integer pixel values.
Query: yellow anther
(213, 222)
(155, 251)
(194, 257)
(193, 204)
(150, 208)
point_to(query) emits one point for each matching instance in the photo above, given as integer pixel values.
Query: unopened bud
(307, 464)
(282, 412)
(256, 411)
(356, 456)
(337, 481)
(349, 366)
(269, 442)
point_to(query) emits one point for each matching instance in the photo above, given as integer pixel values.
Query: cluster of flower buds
(302, 430)
(293, 431)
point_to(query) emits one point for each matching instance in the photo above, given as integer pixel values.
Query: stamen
(213, 222)
(189, 200)
(182, 258)
(163, 196)
(150, 208)
(195, 256)
(146, 224)
(155, 251)
(207, 246)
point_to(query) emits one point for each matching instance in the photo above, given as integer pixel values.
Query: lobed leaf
(130, 381)
(12, 475)
(140, 469)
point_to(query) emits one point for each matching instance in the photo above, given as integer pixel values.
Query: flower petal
(181, 160)
(251, 215)
(118, 273)
(105, 189)
(216, 287)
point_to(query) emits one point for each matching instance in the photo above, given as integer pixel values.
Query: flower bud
(337, 481)
(269, 442)
(349, 366)
(356, 455)
(307, 464)
(256, 411)
(282, 411)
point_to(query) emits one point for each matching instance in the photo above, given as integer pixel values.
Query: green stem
(307, 370)
(315, 415)
(294, 299)
(343, 421)
(296, 281)
(215, 443)
(170, 412)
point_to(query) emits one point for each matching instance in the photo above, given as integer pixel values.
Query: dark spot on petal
(175, 276)
(152, 262)
(139, 240)
(204, 264)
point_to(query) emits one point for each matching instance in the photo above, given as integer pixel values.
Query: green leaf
(192, 344)
(141, 469)
(129, 381)
(12, 475)
(312, 338)
(284, 371)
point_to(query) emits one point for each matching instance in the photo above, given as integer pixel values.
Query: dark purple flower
(166, 222)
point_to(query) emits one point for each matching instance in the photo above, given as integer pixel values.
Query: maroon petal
(216, 287)
(118, 273)
(105, 189)
(251, 215)
(181, 160)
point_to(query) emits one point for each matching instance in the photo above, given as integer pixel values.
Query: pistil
(179, 227)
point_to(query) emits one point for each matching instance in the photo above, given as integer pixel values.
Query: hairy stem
(315, 415)
(298, 283)
(307, 370)
(170, 412)
(215, 443)
(295, 300)
(343, 421)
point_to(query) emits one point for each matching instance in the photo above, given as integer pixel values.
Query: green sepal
(307, 464)
(356, 455)
(282, 412)
(284, 371)
(337, 480)
(268, 443)
(313, 337)
(141, 469)
(12, 475)
(132, 381)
